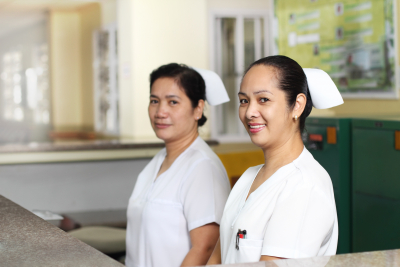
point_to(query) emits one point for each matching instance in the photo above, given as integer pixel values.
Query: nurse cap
(215, 90)
(324, 93)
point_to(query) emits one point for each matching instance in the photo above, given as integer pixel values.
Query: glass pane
(24, 83)
(249, 51)
(228, 119)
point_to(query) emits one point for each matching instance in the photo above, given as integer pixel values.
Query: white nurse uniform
(291, 215)
(162, 211)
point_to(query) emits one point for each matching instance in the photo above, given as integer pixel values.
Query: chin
(162, 136)
(258, 140)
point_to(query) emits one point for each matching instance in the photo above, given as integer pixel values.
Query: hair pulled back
(188, 79)
(291, 79)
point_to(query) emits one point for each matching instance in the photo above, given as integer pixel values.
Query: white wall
(71, 187)
(161, 32)
(239, 4)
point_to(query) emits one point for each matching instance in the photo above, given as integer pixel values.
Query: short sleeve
(300, 225)
(203, 194)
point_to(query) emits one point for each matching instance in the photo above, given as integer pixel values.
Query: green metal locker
(329, 141)
(376, 184)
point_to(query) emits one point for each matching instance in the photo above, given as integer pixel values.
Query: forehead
(166, 86)
(260, 77)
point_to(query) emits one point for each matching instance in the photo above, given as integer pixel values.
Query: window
(24, 81)
(106, 80)
(238, 39)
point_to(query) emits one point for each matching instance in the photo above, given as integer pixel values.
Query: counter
(386, 258)
(69, 151)
(27, 240)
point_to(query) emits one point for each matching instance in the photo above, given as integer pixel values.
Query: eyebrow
(262, 91)
(167, 96)
(255, 93)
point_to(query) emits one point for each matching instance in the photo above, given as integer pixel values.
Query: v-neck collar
(162, 157)
(277, 176)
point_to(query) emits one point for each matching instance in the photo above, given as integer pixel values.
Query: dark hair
(291, 79)
(190, 80)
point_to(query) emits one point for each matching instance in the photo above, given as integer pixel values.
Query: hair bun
(202, 120)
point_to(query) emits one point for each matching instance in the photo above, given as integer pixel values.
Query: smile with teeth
(256, 126)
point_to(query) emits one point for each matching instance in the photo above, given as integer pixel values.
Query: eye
(243, 101)
(263, 100)
(173, 102)
(153, 101)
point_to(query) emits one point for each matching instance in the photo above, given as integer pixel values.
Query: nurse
(284, 208)
(178, 200)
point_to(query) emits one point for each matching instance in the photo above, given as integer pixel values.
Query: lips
(162, 126)
(256, 127)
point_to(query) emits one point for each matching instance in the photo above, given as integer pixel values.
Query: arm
(269, 258)
(216, 255)
(203, 241)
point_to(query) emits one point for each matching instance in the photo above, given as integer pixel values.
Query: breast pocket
(249, 250)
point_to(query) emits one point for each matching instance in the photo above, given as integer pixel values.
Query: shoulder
(309, 176)
(311, 171)
(201, 154)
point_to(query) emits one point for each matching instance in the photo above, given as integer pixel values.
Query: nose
(161, 111)
(252, 111)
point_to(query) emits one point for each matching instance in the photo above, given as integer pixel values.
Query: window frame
(214, 44)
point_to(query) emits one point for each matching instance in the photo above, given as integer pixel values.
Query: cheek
(182, 116)
(242, 114)
(151, 112)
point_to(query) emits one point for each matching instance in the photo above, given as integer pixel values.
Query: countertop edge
(76, 155)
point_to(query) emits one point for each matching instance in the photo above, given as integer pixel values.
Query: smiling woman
(284, 208)
(176, 207)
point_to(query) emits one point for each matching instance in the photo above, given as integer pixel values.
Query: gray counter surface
(385, 258)
(27, 240)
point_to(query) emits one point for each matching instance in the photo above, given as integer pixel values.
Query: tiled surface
(27, 240)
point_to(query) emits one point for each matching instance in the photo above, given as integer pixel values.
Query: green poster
(352, 40)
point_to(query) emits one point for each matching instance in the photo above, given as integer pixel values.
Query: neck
(176, 147)
(283, 154)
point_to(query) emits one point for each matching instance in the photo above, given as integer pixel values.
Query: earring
(198, 118)
(295, 117)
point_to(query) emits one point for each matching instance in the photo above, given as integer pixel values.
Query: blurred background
(74, 90)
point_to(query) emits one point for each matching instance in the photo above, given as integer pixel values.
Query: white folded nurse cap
(324, 93)
(215, 90)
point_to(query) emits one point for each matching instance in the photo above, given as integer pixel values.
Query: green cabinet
(334, 154)
(376, 185)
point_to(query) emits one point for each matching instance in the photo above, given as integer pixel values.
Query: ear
(299, 106)
(198, 111)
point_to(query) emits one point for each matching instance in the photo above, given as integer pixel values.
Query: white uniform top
(291, 215)
(190, 194)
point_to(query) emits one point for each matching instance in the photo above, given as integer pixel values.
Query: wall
(162, 32)
(71, 66)
(65, 65)
(90, 20)
(239, 4)
(71, 187)
(108, 12)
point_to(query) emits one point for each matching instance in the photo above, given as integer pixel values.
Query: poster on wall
(352, 40)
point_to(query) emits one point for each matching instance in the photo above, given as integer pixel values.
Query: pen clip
(238, 238)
